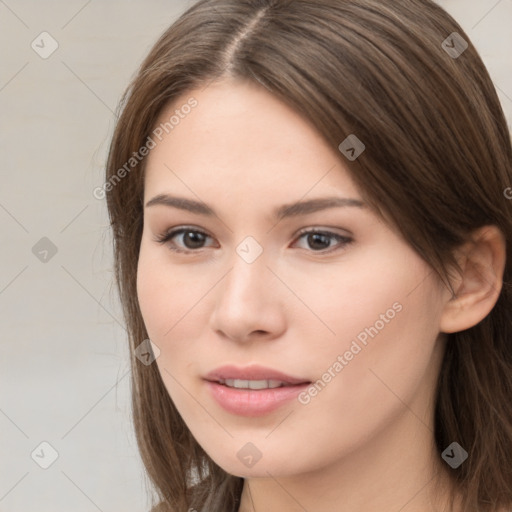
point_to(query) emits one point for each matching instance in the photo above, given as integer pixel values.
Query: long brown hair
(438, 159)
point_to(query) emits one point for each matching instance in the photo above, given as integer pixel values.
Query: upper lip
(253, 372)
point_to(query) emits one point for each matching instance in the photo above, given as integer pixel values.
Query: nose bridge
(245, 302)
(247, 276)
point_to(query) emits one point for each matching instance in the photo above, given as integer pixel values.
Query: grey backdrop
(66, 440)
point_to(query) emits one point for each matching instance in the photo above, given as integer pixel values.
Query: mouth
(254, 390)
(253, 377)
(254, 384)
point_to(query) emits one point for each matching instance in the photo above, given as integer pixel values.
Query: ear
(479, 282)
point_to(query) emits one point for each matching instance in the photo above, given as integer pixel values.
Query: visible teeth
(252, 384)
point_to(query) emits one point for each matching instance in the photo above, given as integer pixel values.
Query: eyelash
(168, 235)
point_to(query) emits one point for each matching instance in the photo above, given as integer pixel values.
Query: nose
(248, 303)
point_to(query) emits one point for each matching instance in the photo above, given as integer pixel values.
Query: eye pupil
(314, 238)
(191, 239)
(196, 239)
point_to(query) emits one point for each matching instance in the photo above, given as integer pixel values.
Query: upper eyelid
(179, 230)
(183, 229)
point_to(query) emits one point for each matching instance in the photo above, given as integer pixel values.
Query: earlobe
(477, 288)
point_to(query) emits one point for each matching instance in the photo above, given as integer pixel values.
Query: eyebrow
(281, 212)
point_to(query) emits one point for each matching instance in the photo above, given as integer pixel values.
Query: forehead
(239, 136)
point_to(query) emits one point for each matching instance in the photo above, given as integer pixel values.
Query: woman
(311, 225)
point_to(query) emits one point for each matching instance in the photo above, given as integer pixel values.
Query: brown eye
(184, 239)
(193, 239)
(188, 240)
(324, 241)
(318, 241)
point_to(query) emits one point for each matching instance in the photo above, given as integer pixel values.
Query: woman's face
(352, 309)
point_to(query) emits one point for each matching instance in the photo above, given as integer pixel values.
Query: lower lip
(253, 402)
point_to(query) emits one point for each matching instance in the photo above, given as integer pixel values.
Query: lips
(253, 390)
(253, 372)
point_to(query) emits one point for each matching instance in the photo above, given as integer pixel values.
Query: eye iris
(314, 238)
(196, 239)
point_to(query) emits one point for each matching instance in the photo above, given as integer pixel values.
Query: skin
(365, 442)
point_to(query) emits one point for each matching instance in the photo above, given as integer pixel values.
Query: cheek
(153, 295)
(359, 298)
(386, 336)
(171, 301)
(380, 324)
(392, 373)
(167, 303)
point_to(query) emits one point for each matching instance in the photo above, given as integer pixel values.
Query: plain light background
(63, 353)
